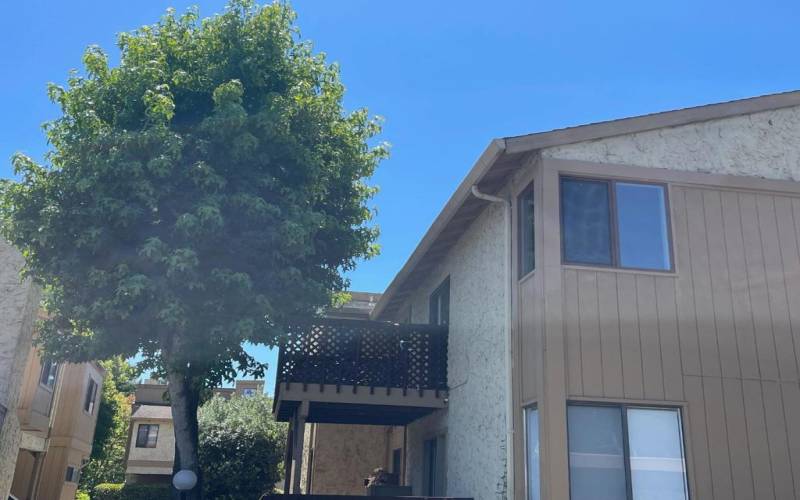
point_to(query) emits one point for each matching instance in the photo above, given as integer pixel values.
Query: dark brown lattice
(364, 353)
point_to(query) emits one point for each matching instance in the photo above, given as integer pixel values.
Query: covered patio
(350, 371)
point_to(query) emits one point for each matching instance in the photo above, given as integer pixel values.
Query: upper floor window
(615, 223)
(248, 392)
(532, 460)
(440, 304)
(48, 376)
(625, 452)
(525, 216)
(147, 436)
(91, 396)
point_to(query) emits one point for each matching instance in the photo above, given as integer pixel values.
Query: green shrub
(82, 495)
(121, 491)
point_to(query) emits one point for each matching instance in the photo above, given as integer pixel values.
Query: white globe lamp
(184, 480)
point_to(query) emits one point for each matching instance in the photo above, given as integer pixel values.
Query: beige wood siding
(719, 337)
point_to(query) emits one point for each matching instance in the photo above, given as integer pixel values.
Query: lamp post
(184, 480)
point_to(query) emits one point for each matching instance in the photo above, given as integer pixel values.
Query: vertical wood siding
(722, 335)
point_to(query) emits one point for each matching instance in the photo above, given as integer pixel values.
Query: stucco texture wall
(761, 145)
(18, 305)
(474, 423)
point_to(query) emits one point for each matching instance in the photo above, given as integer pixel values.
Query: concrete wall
(18, 305)
(474, 423)
(761, 145)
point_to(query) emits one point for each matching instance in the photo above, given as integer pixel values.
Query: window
(91, 396)
(48, 376)
(147, 436)
(624, 452)
(248, 392)
(615, 223)
(532, 453)
(440, 304)
(526, 239)
(72, 475)
(433, 467)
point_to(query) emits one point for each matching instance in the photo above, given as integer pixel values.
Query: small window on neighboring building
(147, 436)
(615, 223)
(249, 391)
(626, 452)
(71, 476)
(526, 235)
(91, 396)
(440, 304)
(48, 376)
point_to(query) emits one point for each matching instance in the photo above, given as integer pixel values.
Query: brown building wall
(719, 337)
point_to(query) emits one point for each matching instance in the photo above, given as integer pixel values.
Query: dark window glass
(147, 436)
(609, 445)
(439, 313)
(642, 225)
(48, 376)
(526, 235)
(397, 462)
(91, 396)
(586, 222)
(70, 475)
(434, 467)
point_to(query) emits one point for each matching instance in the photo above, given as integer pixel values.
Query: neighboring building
(151, 443)
(19, 302)
(620, 304)
(57, 411)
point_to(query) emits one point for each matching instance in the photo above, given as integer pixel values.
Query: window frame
(144, 444)
(527, 190)
(51, 365)
(526, 461)
(623, 407)
(436, 295)
(87, 401)
(613, 225)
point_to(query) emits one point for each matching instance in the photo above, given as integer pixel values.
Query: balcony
(361, 372)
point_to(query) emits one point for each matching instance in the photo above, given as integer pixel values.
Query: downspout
(508, 354)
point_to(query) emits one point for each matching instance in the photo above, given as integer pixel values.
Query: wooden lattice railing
(364, 353)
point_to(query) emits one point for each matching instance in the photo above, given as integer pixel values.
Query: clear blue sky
(449, 75)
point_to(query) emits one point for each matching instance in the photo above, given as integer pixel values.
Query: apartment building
(150, 453)
(608, 311)
(57, 412)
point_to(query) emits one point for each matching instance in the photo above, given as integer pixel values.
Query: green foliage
(199, 195)
(241, 447)
(119, 491)
(107, 462)
(82, 495)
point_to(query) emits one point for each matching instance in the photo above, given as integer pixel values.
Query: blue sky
(449, 75)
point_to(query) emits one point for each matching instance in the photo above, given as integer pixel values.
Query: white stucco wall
(18, 306)
(762, 145)
(474, 422)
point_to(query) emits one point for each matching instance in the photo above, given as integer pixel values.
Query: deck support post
(299, 427)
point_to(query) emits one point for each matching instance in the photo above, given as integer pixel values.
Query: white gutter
(508, 353)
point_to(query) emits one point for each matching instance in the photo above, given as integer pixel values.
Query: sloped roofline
(514, 147)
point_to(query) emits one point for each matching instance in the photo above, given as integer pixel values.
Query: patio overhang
(361, 372)
(351, 371)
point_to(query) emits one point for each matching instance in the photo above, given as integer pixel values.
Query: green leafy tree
(202, 193)
(107, 461)
(241, 447)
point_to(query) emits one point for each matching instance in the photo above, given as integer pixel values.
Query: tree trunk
(184, 399)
